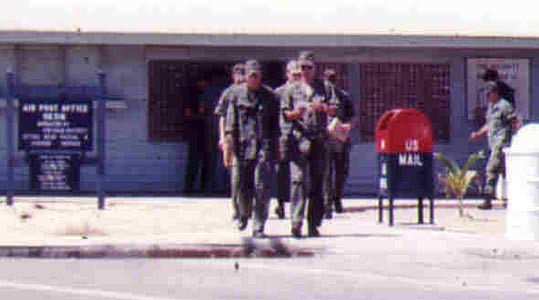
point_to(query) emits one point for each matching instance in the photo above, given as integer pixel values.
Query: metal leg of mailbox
(380, 209)
(420, 210)
(10, 143)
(101, 142)
(390, 211)
(431, 210)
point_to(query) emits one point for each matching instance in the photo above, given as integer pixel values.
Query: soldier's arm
(221, 111)
(275, 116)
(511, 117)
(287, 106)
(222, 135)
(230, 124)
(481, 132)
(222, 104)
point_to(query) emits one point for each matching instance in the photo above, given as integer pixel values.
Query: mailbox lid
(404, 130)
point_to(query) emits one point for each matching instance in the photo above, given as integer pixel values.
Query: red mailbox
(403, 130)
(404, 145)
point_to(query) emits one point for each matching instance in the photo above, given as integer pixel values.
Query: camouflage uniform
(338, 152)
(253, 125)
(500, 117)
(221, 111)
(283, 166)
(307, 153)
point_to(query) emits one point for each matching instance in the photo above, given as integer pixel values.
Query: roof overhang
(267, 40)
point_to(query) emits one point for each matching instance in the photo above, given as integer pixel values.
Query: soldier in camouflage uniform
(304, 105)
(252, 128)
(338, 150)
(293, 74)
(238, 77)
(501, 119)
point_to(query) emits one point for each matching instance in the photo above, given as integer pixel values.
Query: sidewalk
(202, 227)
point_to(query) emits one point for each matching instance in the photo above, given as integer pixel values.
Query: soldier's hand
(346, 126)
(299, 111)
(474, 135)
(516, 124)
(319, 106)
(222, 145)
(331, 110)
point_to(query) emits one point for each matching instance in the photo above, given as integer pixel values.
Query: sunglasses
(307, 67)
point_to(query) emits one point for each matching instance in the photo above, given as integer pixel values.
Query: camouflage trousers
(252, 179)
(495, 167)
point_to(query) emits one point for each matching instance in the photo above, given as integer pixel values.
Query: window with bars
(172, 86)
(385, 86)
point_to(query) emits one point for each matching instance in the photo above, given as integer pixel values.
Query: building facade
(153, 74)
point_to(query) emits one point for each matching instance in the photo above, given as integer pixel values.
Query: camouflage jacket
(253, 122)
(500, 117)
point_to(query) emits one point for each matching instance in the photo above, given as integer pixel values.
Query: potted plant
(457, 180)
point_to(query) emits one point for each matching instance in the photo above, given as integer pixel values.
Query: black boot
(279, 210)
(338, 206)
(486, 205)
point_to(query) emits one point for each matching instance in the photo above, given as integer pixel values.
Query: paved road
(356, 258)
(400, 265)
(204, 279)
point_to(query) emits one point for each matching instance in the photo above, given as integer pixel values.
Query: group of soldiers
(300, 129)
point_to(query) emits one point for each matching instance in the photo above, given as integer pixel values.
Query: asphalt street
(223, 279)
(397, 265)
(355, 258)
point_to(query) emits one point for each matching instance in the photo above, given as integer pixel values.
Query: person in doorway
(339, 144)
(252, 132)
(501, 120)
(293, 74)
(197, 158)
(238, 77)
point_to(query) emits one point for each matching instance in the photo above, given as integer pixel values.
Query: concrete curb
(249, 249)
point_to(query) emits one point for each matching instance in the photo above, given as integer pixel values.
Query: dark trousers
(338, 158)
(283, 181)
(199, 165)
(283, 170)
(317, 168)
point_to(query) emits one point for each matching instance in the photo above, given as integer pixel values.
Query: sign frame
(55, 124)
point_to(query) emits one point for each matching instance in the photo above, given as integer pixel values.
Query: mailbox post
(404, 145)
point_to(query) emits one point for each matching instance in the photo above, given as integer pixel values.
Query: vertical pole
(420, 210)
(390, 210)
(101, 141)
(431, 209)
(9, 136)
(380, 209)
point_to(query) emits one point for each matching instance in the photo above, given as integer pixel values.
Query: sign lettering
(411, 145)
(60, 125)
(410, 160)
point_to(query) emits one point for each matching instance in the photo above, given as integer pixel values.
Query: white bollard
(522, 169)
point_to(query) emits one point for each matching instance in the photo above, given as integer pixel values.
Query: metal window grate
(385, 86)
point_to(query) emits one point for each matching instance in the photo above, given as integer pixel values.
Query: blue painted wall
(136, 165)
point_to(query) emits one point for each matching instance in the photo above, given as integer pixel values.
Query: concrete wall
(135, 164)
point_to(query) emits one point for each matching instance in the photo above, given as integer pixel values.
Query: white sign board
(514, 72)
